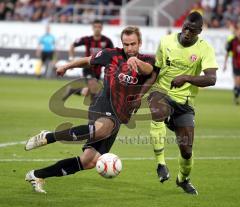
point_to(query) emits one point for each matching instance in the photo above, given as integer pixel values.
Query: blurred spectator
(228, 14)
(216, 13)
(209, 4)
(2, 10)
(207, 15)
(197, 7)
(37, 11)
(88, 16)
(63, 11)
(218, 16)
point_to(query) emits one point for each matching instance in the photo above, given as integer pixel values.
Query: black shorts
(236, 71)
(101, 107)
(182, 115)
(47, 56)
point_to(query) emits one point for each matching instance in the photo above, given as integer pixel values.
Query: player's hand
(133, 63)
(70, 58)
(61, 70)
(179, 81)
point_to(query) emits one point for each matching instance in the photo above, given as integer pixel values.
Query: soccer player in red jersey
(92, 44)
(126, 71)
(234, 47)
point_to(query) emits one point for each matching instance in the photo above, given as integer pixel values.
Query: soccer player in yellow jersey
(181, 58)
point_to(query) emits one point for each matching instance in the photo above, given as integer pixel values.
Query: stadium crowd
(219, 13)
(216, 13)
(62, 11)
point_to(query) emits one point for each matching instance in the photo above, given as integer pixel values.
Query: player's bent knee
(160, 112)
(90, 165)
(88, 158)
(186, 155)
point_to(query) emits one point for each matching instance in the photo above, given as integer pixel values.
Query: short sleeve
(103, 58)
(148, 59)
(208, 58)
(110, 44)
(229, 46)
(79, 42)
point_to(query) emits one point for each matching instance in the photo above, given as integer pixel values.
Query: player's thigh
(159, 106)
(237, 80)
(104, 145)
(104, 127)
(92, 85)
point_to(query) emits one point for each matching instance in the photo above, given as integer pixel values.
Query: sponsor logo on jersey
(127, 79)
(193, 58)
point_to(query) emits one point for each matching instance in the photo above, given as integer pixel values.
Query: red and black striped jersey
(234, 47)
(121, 84)
(93, 46)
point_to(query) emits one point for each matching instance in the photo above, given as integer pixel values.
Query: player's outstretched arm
(208, 79)
(81, 62)
(140, 66)
(71, 52)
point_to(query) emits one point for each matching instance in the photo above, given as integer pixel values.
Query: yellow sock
(185, 167)
(158, 135)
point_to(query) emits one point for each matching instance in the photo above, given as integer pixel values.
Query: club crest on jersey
(99, 54)
(193, 58)
(127, 79)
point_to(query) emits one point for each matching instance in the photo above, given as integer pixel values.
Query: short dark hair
(97, 21)
(132, 30)
(195, 17)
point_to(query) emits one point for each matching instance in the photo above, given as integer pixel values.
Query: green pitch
(24, 111)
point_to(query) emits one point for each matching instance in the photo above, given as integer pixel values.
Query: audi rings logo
(127, 79)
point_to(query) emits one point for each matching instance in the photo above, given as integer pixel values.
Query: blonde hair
(132, 30)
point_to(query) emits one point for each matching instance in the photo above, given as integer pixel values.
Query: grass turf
(24, 111)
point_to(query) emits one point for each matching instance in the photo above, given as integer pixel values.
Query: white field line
(2, 145)
(121, 138)
(123, 158)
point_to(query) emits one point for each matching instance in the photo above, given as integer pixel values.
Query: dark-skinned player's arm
(140, 66)
(208, 79)
(81, 62)
(145, 88)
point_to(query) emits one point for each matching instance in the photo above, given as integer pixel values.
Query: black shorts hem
(236, 71)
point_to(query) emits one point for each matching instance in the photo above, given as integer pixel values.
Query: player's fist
(61, 70)
(179, 81)
(133, 63)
